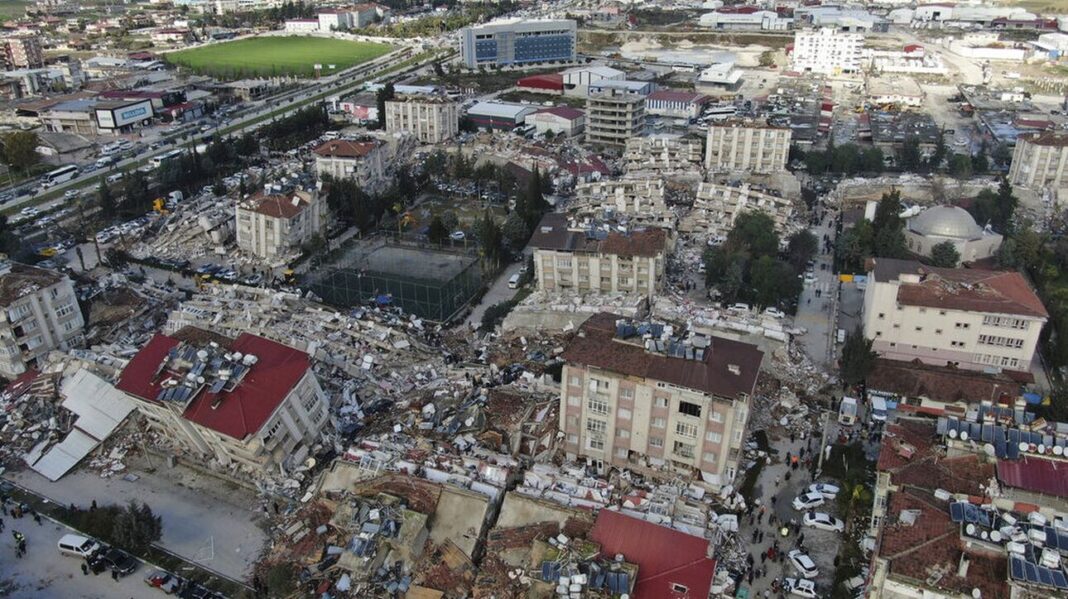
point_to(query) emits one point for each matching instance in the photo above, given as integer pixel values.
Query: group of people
(20, 543)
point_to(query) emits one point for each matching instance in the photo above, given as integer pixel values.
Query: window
(622, 453)
(656, 442)
(938, 331)
(271, 431)
(70, 325)
(878, 333)
(596, 443)
(597, 406)
(882, 314)
(690, 409)
(708, 457)
(897, 326)
(713, 437)
(572, 422)
(686, 429)
(622, 433)
(575, 381)
(623, 414)
(64, 310)
(660, 402)
(626, 393)
(596, 427)
(918, 329)
(679, 588)
(310, 402)
(572, 439)
(716, 416)
(574, 400)
(684, 450)
(659, 423)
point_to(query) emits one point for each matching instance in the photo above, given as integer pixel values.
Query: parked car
(808, 501)
(823, 521)
(457, 236)
(800, 587)
(164, 581)
(775, 313)
(803, 564)
(78, 546)
(117, 561)
(255, 279)
(828, 490)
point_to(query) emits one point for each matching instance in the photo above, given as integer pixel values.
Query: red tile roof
(596, 346)
(917, 435)
(550, 81)
(244, 410)
(276, 205)
(943, 383)
(1048, 138)
(564, 112)
(665, 557)
(999, 292)
(932, 545)
(672, 95)
(1038, 475)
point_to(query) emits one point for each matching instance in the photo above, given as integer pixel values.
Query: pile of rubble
(31, 417)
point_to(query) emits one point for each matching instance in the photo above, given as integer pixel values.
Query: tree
(908, 157)
(888, 240)
(774, 283)
(767, 58)
(20, 150)
(857, 357)
(384, 95)
(754, 232)
(945, 254)
(960, 166)
(1006, 206)
(872, 161)
(136, 527)
(450, 220)
(855, 246)
(980, 163)
(515, 231)
(488, 233)
(438, 233)
(800, 248)
(106, 200)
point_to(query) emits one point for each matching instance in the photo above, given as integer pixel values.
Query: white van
(78, 546)
(878, 408)
(513, 281)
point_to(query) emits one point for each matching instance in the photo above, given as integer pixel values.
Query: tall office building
(518, 41)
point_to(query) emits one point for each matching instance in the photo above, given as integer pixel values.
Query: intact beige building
(271, 225)
(748, 145)
(970, 319)
(570, 258)
(634, 396)
(431, 119)
(250, 402)
(613, 117)
(1040, 161)
(40, 313)
(361, 161)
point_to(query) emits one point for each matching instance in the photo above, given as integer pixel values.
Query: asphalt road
(816, 313)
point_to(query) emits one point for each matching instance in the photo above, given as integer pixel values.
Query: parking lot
(44, 572)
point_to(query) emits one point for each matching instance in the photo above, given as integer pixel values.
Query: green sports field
(271, 56)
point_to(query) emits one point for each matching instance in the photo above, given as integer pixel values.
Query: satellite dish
(995, 535)
(1024, 446)
(976, 593)
(964, 435)
(989, 450)
(970, 529)
(1058, 450)
(1041, 449)
(952, 434)
(984, 535)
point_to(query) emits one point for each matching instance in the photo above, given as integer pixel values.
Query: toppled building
(717, 206)
(662, 155)
(40, 312)
(642, 396)
(598, 260)
(639, 202)
(747, 145)
(1040, 160)
(247, 402)
(271, 225)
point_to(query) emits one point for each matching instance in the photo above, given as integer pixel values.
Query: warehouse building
(499, 116)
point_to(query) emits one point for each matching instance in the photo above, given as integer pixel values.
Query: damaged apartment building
(275, 222)
(598, 259)
(663, 155)
(718, 205)
(650, 398)
(40, 314)
(636, 202)
(246, 402)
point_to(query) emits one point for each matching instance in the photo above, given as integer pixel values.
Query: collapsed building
(637, 202)
(717, 206)
(663, 155)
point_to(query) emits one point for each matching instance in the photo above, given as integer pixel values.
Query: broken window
(690, 409)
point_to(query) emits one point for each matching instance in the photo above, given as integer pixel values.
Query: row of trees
(851, 159)
(748, 266)
(883, 237)
(302, 126)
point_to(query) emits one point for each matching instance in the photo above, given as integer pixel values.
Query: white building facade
(828, 51)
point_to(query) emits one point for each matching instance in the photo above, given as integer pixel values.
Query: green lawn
(268, 56)
(12, 9)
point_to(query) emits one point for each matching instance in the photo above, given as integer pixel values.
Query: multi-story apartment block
(571, 258)
(431, 119)
(613, 117)
(361, 161)
(518, 41)
(663, 154)
(249, 401)
(639, 396)
(1041, 161)
(828, 51)
(336, 19)
(748, 145)
(40, 314)
(23, 52)
(970, 319)
(717, 206)
(270, 225)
